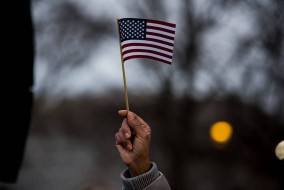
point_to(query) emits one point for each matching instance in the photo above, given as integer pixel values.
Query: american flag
(145, 38)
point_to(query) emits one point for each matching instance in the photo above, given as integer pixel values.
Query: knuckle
(148, 132)
(124, 129)
(147, 128)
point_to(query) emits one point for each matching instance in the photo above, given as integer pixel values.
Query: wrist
(137, 169)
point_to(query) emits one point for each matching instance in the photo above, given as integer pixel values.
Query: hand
(133, 143)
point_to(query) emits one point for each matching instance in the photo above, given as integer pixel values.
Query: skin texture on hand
(133, 143)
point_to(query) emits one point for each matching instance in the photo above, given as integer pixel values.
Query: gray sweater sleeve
(151, 180)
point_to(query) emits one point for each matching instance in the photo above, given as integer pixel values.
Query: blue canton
(132, 29)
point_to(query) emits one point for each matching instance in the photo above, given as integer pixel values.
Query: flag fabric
(146, 38)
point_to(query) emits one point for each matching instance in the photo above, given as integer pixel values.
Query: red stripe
(147, 57)
(160, 41)
(161, 22)
(147, 51)
(162, 29)
(147, 45)
(160, 35)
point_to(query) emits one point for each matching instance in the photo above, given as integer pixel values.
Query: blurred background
(228, 67)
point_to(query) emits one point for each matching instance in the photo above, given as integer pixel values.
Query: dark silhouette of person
(16, 83)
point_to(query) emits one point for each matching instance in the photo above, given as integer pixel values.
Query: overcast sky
(102, 69)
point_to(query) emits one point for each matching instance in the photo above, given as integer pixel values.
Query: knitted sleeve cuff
(142, 181)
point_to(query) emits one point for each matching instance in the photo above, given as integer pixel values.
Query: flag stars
(132, 29)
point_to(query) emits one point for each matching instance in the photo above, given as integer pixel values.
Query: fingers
(134, 121)
(122, 137)
(125, 129)
(133, 125)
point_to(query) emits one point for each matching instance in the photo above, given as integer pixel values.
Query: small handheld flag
(145, 38)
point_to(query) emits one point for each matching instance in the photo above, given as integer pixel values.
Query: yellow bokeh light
(221, 132)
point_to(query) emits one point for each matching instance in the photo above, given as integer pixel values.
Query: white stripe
(161, 26)
(148, 48)
(160, 32)
(147, 42)
(160, 38)
(148, 54)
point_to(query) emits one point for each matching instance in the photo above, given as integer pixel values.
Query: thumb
(122, 113)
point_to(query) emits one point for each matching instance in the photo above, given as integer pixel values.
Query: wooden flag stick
(125, 88)
(123, 71)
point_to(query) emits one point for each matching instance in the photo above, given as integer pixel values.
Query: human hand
(133, 143)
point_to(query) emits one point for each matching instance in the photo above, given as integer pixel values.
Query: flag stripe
(147, 57)
(160, 29)
(160, 35)
(147, 46)
(149, 43)
(161, 23)
(161, 32)
(160, 40)
(147, 51)
(161, 26)
(146, 54)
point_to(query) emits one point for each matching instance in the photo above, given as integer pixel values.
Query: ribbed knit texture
(139, 182)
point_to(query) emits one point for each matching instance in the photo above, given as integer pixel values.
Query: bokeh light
(279, 150)
(221, 132)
